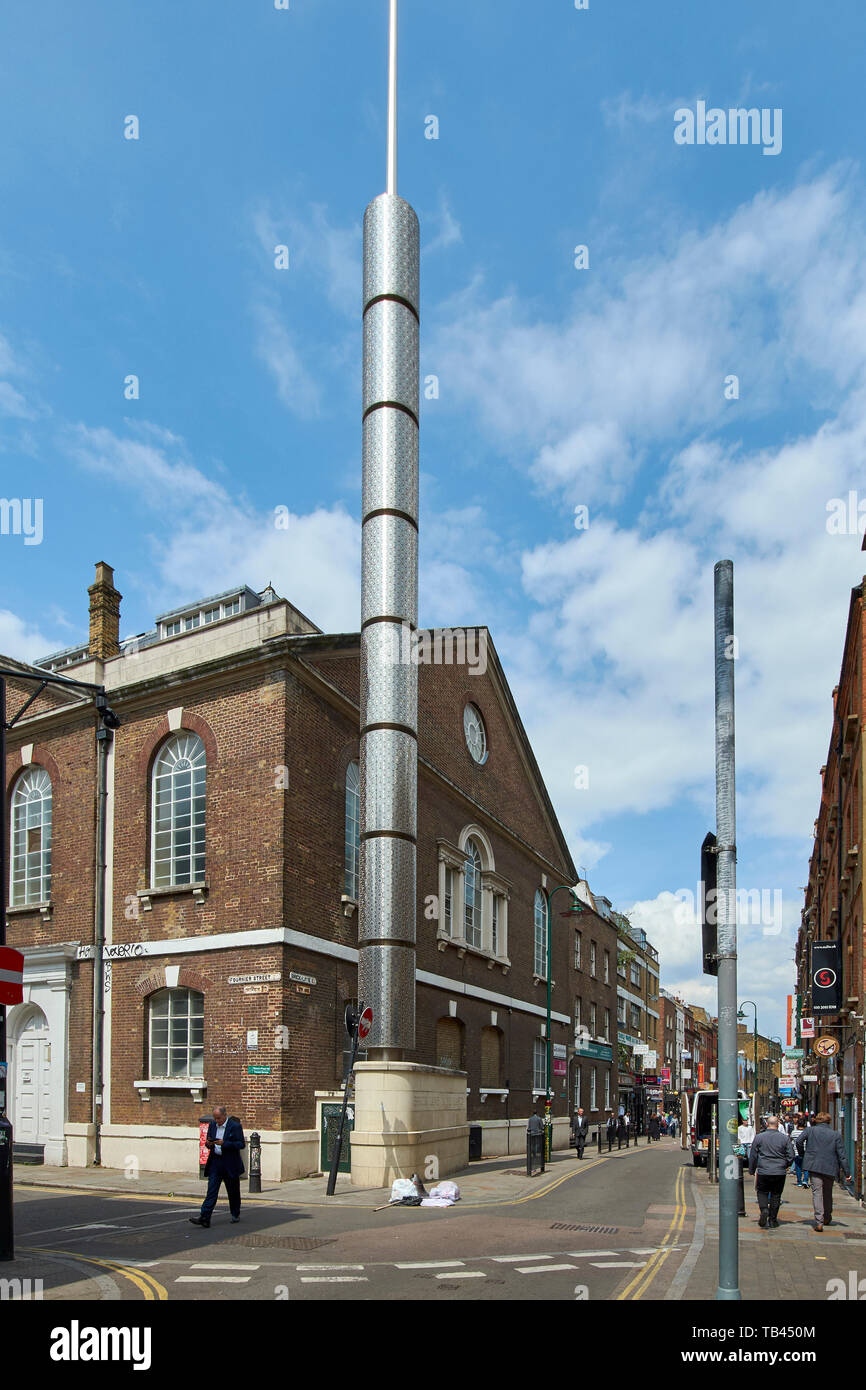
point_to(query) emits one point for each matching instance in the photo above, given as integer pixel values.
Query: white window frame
(352, 832)
(192, 1013)
(31, 809)
(539, 1065)
(162, 782)
(473, 895)
(593, 1083)
(540, 935)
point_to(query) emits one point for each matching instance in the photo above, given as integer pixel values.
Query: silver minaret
(389, 606)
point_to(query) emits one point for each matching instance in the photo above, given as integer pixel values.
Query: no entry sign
(11, 976)
(365, 1023)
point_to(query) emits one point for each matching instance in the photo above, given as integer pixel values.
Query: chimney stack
(104, 614)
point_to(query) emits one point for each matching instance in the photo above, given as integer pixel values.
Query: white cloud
(21, 640)
(296, 387)
(220, 539)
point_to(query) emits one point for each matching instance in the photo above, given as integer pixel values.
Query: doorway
(30, 1087)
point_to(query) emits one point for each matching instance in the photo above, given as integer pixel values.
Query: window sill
(485, 1091)
(44, 909)
(195, 1087)
(198, 891)
(463, 948)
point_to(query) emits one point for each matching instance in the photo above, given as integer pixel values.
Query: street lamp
(772, 1061)
(741, 1015)
(548, 1098)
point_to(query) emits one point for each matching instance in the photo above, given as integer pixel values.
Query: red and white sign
(11, 976)
(807, 1027)
(365, 1023)
(666, 1075)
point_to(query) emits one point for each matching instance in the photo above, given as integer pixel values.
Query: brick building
(226, 894)
(594, 1077)
(834, 902)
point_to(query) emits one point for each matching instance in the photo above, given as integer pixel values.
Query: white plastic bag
(449, 1190)
(402, 1187)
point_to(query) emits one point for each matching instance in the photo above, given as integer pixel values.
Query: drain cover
(279, 1242)
(596, 1230)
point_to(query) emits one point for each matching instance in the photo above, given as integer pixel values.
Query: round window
(476, 735)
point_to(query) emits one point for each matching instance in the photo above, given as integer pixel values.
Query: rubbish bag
(402, 1187)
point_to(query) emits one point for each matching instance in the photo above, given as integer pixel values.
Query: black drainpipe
(103, 744)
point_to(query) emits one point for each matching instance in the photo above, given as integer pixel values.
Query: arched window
(176, 1034)
(178, 812)
(540, 964)
(353, 830)
(450, 1044)
(472, 894)
(30, 876)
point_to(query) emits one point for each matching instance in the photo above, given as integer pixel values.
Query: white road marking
(515, 1259)
(212, 1279)
(590, 1254)
(618, 1264)
(463, 1274)
(543, 1269)
(432, 1264)
(214, 1264)
(335, 1279)
(324, 1269)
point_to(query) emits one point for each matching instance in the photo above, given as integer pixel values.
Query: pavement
(487, 1180)
(793, 1262)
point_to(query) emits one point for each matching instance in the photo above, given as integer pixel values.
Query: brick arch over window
(191, 723)
(189, 978)
(40, 757)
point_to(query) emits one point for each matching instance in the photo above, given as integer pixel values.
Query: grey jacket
(822, 1151)
(771, 1154)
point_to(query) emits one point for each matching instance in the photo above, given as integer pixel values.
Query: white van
(700, 1115)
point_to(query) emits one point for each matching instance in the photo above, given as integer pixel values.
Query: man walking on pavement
(824, 1157)
(580, 1129)
(225, 1139)
(771, 1154)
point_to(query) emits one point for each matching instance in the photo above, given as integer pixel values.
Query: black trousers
(215, 1178)
(770, 1193)
(579, 1144)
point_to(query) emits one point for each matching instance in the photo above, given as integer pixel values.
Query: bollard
(255, 1163)
(598, 1137)
(7, 1240)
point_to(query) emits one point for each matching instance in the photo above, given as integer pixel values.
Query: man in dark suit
(225, 1139)
(580, 1130)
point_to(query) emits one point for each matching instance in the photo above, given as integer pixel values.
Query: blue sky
(558, 387)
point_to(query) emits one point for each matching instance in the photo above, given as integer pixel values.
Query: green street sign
(258, 1071)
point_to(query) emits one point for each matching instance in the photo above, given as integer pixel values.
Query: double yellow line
(638, 1286)
(150, 1288)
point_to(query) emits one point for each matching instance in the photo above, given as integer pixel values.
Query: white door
(31, 1117)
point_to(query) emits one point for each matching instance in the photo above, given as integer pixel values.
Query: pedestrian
(611, 1129)
(225, 1139)
(673, 1127)
(654, 1127)
(797, 1133)
(824, 1156)
(771, 1153)
(580, 1130)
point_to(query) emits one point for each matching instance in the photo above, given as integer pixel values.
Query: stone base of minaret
(409, 1118)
